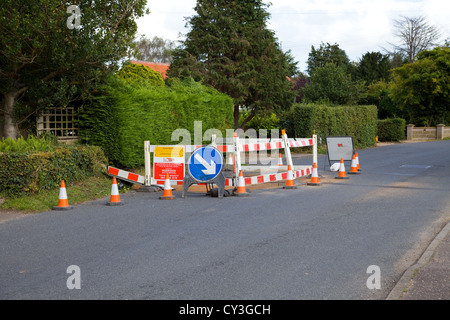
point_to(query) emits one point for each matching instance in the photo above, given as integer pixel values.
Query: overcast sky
(358, 26)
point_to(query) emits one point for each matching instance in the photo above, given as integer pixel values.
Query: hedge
(23, 173)
(359, 122)
(391, 129)
(123, 116)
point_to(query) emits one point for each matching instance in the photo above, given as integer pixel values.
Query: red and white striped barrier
(125, 175)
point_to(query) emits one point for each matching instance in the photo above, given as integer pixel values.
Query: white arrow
(210, 168)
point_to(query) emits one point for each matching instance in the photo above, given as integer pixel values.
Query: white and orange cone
(280, 160)
(342, 174)
(63, 202)
(241, 191)
(314, 177)
(114, 199)
(290, 179)
(357, 162)
(354, 168)
(167, 194)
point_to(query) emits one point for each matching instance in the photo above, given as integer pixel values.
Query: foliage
(332, 84)
(378, 94)
(45, 63)
(123, 116)
(422, 89)
(391, 129)
(360, 122)
(325, 54)
(230, 48)
(30, 144)
(155, 49)
(373, 67)
(137, 74)
(23, 173)
(269, 122)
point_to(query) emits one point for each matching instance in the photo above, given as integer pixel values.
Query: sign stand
(205, 166)
(339, 148)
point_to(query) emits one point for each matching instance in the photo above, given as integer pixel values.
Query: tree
(230, 48)
(328, 53)
(415, 35)
(372, 67)
(51, 53)
(155, 50)
(422, 88)
(332, 84)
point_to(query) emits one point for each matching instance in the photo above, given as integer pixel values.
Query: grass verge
(91, 188)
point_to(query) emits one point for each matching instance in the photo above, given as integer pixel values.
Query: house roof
(158, 67)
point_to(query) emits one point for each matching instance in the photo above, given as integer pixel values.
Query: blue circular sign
(205, 163)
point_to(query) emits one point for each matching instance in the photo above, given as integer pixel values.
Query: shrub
(23, 173)
(123, 116)
(360, 122)
(391, 129)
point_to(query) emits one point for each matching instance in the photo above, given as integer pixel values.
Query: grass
(89, 189)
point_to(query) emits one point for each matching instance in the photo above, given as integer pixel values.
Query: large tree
(415, 34)
(155, 49)
(54, 50)
(372, 67)
(422, 88)
(328, 53)
(230, 48)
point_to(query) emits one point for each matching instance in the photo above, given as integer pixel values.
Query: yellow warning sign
(169, 152)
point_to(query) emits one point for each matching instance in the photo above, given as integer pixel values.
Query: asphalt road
(307, 243)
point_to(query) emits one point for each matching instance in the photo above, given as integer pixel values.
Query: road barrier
(171, 161)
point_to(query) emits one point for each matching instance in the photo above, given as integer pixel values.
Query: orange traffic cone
(63, 203)
(314, 177)
(290, 179)
(342, 174)
(240, 191)
(167, 194)
(114, 200)
(354, 168)
(357, 162)
(280, 160)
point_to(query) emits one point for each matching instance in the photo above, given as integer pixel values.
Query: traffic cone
(240, 191)
(280, 160)
(290, 179)
(314, 177)
(342, 174)
(357, 162)
(63, 203)
(167, 194)
(114, 200)
(354, 168)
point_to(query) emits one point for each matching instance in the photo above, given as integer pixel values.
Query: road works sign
(168, 159)
(340, 148)
(205, 164)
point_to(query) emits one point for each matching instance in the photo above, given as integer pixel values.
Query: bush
(391, 129)
(359, 122)
(23, 173)
(123, 116)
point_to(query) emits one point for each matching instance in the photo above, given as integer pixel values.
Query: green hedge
(391, 129)
(360, 122)
(123, 116)
(24, 173)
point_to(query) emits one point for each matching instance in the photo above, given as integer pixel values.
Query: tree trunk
(236, 117)
(10, 129)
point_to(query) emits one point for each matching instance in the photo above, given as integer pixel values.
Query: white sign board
(340, 148)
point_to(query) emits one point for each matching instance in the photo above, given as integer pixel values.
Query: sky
(357, 26)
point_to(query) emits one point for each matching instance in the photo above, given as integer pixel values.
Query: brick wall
(427, 133)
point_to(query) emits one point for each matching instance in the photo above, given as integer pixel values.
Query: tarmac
(429, 277)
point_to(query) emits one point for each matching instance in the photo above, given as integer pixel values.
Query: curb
(403, 284)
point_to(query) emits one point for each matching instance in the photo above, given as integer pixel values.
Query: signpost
(205, 166)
